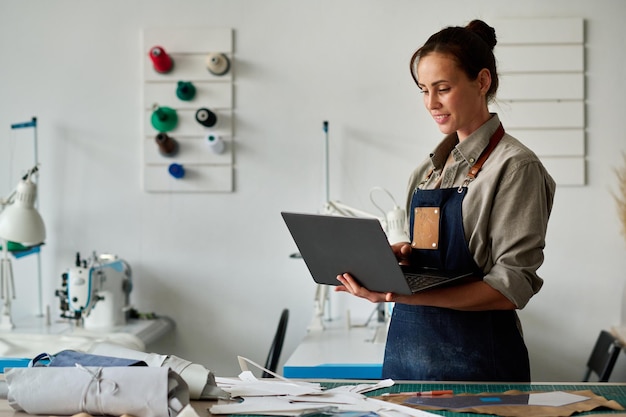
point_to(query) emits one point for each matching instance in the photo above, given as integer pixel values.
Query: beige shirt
(505, 211)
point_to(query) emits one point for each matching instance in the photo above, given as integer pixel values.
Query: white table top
(339, 352)
(32, 336)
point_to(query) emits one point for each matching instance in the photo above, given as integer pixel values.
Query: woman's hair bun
(486, 32)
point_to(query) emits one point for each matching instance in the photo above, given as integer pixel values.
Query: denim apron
(433, 343)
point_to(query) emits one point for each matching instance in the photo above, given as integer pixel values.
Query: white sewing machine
(96, 292)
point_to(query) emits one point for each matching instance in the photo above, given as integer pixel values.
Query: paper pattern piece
(285, 397)
(554, 399)
(547, 399)
(511, 407)
(187, 411)
(138, 391)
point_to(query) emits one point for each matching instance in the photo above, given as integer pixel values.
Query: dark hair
(471, 46)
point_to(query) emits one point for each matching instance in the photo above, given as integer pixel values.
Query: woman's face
(456, 103)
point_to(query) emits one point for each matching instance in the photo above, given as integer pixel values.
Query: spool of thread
(167, 145)
(217, 64)
(176, 170)
(206, 117)
(164, 119)
(216, 143)
(161, 61)
(185, 91)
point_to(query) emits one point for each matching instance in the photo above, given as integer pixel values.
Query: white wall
(218, 263)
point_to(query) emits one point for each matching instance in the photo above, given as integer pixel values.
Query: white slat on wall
(552, 142)
(190, 40)
(193, 150)
(543, 114)
(201, 178)
(540, 58)
(540, 31)
(566, 171)
(541, 97)
(542, 86)
(220, 95)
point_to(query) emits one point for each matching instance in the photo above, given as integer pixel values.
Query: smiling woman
(491, 226)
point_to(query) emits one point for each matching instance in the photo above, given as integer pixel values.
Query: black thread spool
(206, 117)
(167, 145)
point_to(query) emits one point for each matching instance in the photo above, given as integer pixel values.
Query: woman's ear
(484, 80)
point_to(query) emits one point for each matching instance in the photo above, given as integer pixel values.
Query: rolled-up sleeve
(507, 226)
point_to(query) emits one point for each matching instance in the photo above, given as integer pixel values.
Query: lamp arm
(6, 201)
(338, 207)
(31, 172)
(393, 221)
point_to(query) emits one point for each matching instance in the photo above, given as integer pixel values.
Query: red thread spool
(161, 61)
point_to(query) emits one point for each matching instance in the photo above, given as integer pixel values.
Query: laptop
(333, 245)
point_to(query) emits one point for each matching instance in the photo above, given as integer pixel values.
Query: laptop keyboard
(419, 281)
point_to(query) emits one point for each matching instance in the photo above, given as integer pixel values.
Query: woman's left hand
(349, 284)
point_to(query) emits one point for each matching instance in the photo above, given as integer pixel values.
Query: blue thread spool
(177, 171)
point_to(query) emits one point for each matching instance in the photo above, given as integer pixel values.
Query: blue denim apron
(432, 343)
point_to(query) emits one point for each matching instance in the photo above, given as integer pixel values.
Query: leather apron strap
(493, 142)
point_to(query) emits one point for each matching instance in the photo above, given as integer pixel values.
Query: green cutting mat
(609, 391)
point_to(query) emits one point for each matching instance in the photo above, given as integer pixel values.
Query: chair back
(277, 344)
(603, 357)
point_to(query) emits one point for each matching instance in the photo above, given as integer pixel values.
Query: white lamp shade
(20, 222)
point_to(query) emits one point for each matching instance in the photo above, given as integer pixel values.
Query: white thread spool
(216, 143)
(217, 63)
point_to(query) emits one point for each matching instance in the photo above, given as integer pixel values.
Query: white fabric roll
(136, 390)
(199, 379)
(110, 349)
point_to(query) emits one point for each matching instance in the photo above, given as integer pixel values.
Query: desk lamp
(21, 223)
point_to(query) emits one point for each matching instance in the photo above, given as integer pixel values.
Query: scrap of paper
(552, 399)
(284, 397)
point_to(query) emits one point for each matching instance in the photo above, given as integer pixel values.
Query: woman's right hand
(402, 250)
(349, 284)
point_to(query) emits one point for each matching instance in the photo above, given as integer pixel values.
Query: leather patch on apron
(426, 228)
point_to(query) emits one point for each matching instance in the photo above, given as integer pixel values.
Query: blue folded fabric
(73, 357)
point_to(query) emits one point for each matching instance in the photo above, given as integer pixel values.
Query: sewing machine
(96, 292)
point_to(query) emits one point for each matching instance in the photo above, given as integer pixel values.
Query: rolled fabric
(139, 391)
(201, 381)
(72, 357)
(112, 349)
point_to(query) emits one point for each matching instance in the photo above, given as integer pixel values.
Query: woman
(490, 198)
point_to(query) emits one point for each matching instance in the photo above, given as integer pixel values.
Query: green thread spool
(185, 91)
(164, 119)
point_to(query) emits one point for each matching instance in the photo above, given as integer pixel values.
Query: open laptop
(333, 245)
